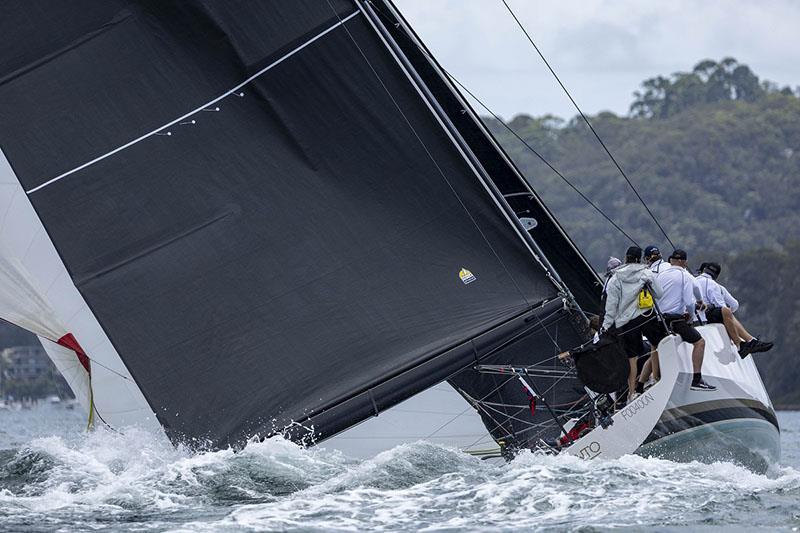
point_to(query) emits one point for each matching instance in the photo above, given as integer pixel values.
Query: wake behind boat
(166, 243)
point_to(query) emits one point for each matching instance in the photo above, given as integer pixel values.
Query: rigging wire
(518, 411)
(588, 123)
(467, 409)
(541, 157)
(513, 339)
(464, 206)
(427, 151)
(513, 132)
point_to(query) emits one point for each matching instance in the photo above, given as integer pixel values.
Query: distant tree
(709, 82)
(649, 102)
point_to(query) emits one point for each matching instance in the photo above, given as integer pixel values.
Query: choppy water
(55, 477)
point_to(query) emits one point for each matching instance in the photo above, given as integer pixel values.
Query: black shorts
(679, 326)
(631, 335)
(714, 315)
(654, 330)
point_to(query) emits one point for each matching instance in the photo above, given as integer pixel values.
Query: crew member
(611, 266)
(624, 313)
(653, 257)
(721, 308)
(677, 305)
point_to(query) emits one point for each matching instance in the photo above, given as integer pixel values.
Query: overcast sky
(601, 49)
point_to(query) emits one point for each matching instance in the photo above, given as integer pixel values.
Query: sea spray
(133, 480)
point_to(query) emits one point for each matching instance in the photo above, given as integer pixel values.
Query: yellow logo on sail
(466, 276)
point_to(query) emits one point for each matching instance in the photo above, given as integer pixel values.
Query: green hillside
(715, 153)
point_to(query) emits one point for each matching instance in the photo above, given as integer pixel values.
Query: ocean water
(53, 476)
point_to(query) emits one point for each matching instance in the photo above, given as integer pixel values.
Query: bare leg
(697, 355)
(646, 370)
(743, 334)
(632, 377)
(656, 365)
(730, 326)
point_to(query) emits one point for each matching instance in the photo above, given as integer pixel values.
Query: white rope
(198, 109)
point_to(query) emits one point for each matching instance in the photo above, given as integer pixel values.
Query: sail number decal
(640, 403)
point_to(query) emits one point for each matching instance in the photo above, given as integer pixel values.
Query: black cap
(651, 251)
(713, 269)
(678, 254)
(634, 251)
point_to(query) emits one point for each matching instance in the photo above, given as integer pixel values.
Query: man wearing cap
(721, 306)
(623, 312)
(677, 305)
(653, 257)
(611, 266)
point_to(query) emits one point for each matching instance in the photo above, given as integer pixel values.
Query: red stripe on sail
(69, 341)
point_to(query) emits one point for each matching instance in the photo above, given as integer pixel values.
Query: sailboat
(231, 221)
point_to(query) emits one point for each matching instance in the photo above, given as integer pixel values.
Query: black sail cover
(257, 205)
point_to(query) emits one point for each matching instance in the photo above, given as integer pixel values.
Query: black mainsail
(278, 214)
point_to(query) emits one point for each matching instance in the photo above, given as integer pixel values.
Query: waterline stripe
(196, 110)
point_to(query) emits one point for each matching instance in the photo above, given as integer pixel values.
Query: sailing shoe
(702, 386)
(761, 346)
(747, 347)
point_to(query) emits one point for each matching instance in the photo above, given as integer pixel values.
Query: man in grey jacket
(626, 314)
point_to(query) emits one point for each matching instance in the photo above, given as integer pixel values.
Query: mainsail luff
(224, 340)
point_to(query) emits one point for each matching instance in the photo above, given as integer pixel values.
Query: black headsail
(259, 206)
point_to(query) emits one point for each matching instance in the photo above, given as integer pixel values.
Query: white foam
(278, 485)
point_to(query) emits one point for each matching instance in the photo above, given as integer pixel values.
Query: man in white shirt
(721, 308)
(677, 305)
(652, 256)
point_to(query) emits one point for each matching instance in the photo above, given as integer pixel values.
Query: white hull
(734, 423)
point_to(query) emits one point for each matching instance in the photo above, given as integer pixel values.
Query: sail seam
(150, 250)
(227, 93)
